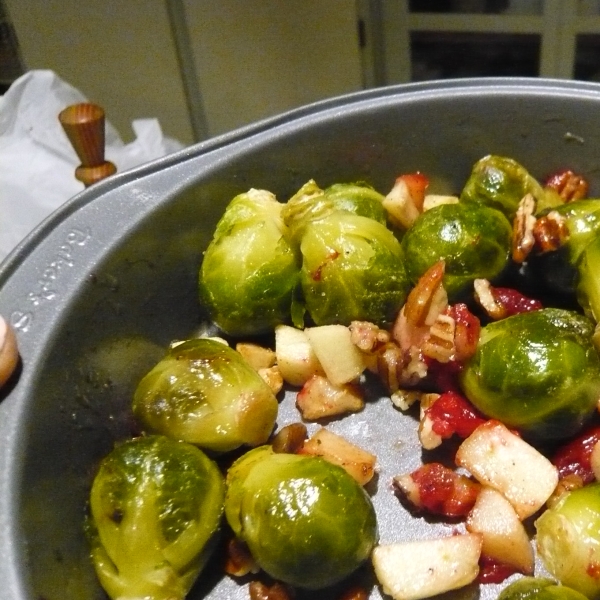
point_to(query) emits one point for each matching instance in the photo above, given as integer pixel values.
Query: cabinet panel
(258, 58)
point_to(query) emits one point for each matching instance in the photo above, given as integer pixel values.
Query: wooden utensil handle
(84, 125)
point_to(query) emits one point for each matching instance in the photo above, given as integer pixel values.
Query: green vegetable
(473, 240)
(311, 203)
(204, 392)
(306, 522)
(352, 269)
(558, 269)
(588, 276)
(537, 372)
(533, 588)
(501, 183)
(156, 506)
(249, 271)
(568, 540)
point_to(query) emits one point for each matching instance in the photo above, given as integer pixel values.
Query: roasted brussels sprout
(501, 183)
(568, 540)
(249, 271)
(306, 521)
(311, 202)
(588, 279)
(534, 588)
(155, 507)
(352, 269)
(537, 372)
(474, 242)
(203, 392)
(558, 269)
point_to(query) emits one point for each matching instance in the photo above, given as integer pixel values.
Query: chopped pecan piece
(368, 337)
(239, 561)
(566, 484)
(427, 436)
(390, 362)
(466, 331)
(276, 591)
(356, 592)
(321, 399)
(523, 224)
(404, 399)
(569, 185)
(500, 303)
(550, 232)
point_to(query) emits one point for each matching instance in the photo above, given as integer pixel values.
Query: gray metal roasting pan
(103, 285)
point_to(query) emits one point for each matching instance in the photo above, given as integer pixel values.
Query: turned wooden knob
(84, 125)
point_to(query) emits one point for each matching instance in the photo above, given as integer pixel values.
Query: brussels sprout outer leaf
(353, 269)
(236, 475)
(537, 372)
(360, 200)
(311, 203)
(500, 182)
(305, 521)
(155, 505)
(568, 540)
(588, 286)
(533, 588)
(249, 271)
(203, 392)
(473, 241)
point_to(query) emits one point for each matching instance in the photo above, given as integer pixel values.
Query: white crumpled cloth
(37, 161)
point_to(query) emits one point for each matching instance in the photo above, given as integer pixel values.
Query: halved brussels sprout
(558, 269)
(474, 242)
(204, 392)
(537, 372)
(534, 588)
(249, 271)
(352, 269)
(310, 202)
(568, 540)
(156, 505)
(306, 521)
(501, 183)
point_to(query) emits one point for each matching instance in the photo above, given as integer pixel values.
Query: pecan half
(523, 224)
(550, 232)
(569, 185)
(440, 342)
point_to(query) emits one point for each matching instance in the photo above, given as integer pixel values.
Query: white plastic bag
(37, 162)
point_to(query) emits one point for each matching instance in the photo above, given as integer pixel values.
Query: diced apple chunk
(296, 359)
(272, 377)
(319, 399)
(504, 537)
(503, 461)
(338, 450)
(341, 360)
(256, 356)
(424, 568)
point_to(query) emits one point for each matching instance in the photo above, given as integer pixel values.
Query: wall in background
(251, 58)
